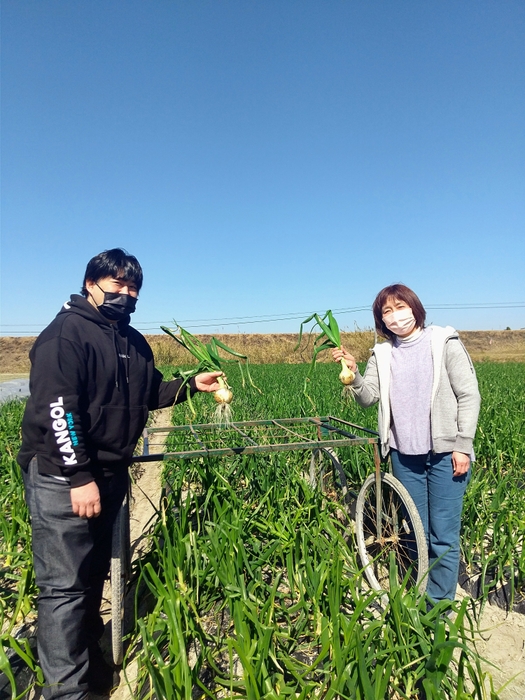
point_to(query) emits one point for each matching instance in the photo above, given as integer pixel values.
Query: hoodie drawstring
(119, 357)
(117, 353)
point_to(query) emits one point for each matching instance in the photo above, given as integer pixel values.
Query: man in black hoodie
(92, 383)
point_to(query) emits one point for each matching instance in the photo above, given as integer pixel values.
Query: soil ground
(501, 640)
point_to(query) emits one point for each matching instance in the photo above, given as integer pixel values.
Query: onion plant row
(494, 513)
(255, 586)
(17, 587)
(493, 523)
(255, 592)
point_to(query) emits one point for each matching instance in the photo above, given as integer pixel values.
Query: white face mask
(400, 322)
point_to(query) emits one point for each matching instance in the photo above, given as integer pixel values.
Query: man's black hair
(113, 263)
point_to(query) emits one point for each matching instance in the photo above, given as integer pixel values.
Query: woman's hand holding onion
(339, 354)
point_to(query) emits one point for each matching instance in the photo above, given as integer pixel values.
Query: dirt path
(502, 639)
(502, 644)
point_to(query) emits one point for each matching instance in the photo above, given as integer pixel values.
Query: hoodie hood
(119, 332)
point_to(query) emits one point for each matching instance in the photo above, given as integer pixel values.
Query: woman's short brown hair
(403, 293)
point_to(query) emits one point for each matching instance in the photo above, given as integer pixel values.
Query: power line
(22, 328)
(248, 320)
(293, 316)
(491, 305)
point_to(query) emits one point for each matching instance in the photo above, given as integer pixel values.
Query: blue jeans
(438, 496)
(71, 560)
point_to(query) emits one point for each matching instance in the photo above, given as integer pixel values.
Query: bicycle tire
(401, 533)
(119, 570)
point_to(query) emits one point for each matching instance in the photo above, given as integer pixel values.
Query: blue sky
(266, 159)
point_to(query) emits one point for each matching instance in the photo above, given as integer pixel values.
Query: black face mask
(116, 306)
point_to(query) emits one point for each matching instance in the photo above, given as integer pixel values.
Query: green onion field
(252, 587)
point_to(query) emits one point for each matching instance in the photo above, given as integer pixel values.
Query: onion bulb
(224, 394)
(223, 397)
(346, 375)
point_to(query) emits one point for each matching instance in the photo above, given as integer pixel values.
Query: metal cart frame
(386, 520)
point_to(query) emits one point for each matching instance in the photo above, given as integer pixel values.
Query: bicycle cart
(387, 524)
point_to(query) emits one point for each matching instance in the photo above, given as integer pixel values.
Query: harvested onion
(346, 375)
(223, 396)
(210, 361)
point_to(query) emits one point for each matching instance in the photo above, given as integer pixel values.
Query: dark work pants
(71, 560)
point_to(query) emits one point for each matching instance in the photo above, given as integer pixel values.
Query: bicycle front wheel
(327, 475)
(387, 521)
(119, 571)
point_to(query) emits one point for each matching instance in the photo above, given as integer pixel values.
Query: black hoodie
(92, 384)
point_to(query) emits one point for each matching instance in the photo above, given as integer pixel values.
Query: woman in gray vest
(426, 386)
